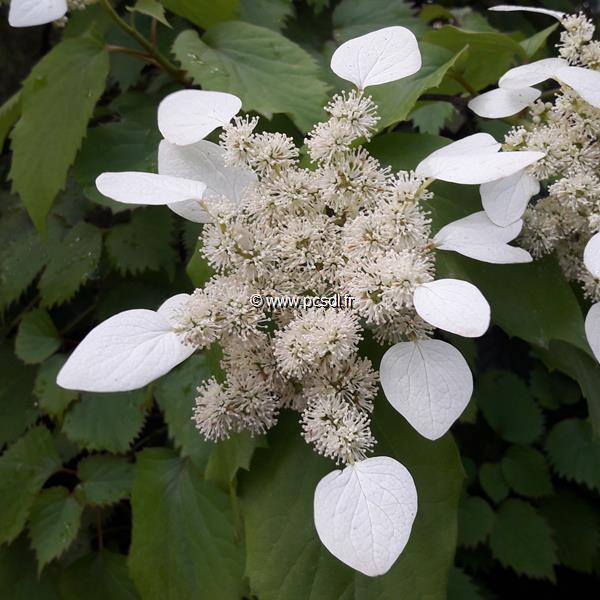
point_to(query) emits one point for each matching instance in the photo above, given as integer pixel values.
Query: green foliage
(203, 558)
(58, 99)
(475, 521)
(204, 13)
(53, 524)
(461, 586)
(10, 112)
(105, 479)
(37, 338)
(268, 72)
(493, 482)
(267, 13)
(526, 471)
(522, 540)
(153, 9)
(53, 399)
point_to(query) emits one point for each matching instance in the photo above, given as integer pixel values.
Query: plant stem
(163, 62)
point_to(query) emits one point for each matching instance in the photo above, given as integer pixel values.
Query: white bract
(188, 116)
(592, 329)
(585, 82)
(591, 255)
(364, 513)
(513, 8)
(477, 237)
(378, 57)
(428, 382)
(28, 13)
(524, 76)
(506, 199)
(503, 103)
(453, 305)
(475, 159)
(127, 351)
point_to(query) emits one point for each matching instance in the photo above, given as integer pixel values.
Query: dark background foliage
(116, 496)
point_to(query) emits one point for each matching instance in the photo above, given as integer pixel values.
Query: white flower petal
(478, 143)
(378, 57)
(506, 199)
(477, 237)
(592, 329)
(364, 513)
(148, 188)
(512, 8)
(125, 352)
(187, 116)
(428, 382)
(591, 255)
(585, 82)
(169, 307)
(453, 305)
(503, 103)
(28, 13)
(531, 73)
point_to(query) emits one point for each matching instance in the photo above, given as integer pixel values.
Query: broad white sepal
(133, 187)
(544, 11)
(591, 255)
(477, 237)
(188, 116)
(29, 13)
(530, 74)
(506, 199)
(428, 382)
(503, 103)
(453, 305)
(379, 57)
(365, 512)
(592, 329)
(585, 82)
(126, 352)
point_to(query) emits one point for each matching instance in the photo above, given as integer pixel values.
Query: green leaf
(507, 405)
(267, 13)
(18, 576)
(204, 13)
(100, 576)
(490, 55)
(144, 243)
(395, 100)
(352, 18)
(17, 408)
(24, 468)
(267, 71)
(175, 394)
(581, 367)
(52, 398)
(526, 471)
(285, 556)
(151, 8)
(106, 421)
(574, 453)
(170, 501)
(10, 112)
(58, 99)
(576, 530)
(475, 521)
(492, 481)
(461, 586)
(404, 151)
(37, 337)
(231, 455)
(198, 269)
(72, 262)
(53, 524)
(105, 479)
(532, 44)
(552, 390)
(522, 540)
(431, 117)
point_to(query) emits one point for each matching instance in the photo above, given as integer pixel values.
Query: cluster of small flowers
(347, 225)
(73, 5)
(567, 131)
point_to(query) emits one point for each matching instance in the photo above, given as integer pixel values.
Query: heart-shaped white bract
(379, 57)
(585, 82)
(532, 73)
(126, 352)
(512, 8)
(364, 513)
(428, 382)
(188, 116)
(203, 162)
(474, 160)
(503, 103)
(592, 329)
(453, 305)
(28, 13)
(477, 237)
(506, 199)
(591, 255)
(132, 187)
